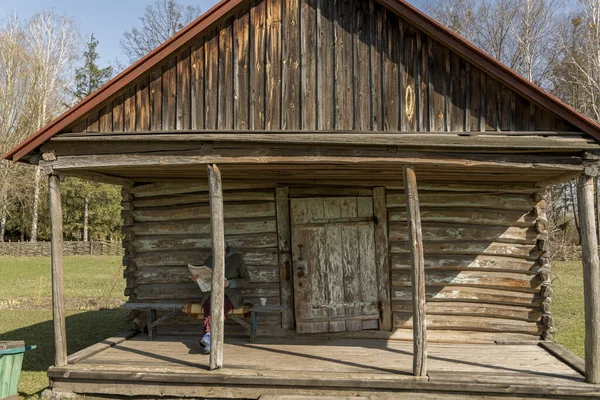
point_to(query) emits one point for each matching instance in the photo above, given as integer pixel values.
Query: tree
(53, 41)
(90, 77)
(160, 21)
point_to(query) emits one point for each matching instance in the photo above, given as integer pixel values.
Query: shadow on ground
(83, 330)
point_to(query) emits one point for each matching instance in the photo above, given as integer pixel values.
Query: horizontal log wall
(317, 64)
(168, 227)
(485, 264)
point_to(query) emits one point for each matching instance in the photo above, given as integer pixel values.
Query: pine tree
(90, 77)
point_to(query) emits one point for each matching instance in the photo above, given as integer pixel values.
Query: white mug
(263, 301)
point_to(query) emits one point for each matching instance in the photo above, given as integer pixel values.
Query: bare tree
(160, 21)
(53, 41)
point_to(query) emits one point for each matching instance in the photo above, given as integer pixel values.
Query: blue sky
(107, 19)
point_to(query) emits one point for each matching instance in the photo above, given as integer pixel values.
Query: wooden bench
(175, 308)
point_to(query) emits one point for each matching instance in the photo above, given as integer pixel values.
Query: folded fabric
(195, 310)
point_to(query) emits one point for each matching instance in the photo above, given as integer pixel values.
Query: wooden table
(257, 308)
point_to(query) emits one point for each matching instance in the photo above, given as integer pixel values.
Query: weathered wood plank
(284, 238)
(202, 227)
(241, 76)
(393, 74)
(382, 260)
(363, 40)
(225, 76)
(273, 65)
(469, 262)
(259, 27)
(187, 212)
(118, 108)
(169, 95)
(197, 84)
(493, 201)
(189, 242)
(343, 64)
(156, 100)
(217, 329)
(529, 252)
(185, 257)
(472, 294)
(211, 86)
(531, 314)
(325, 64)
(203, 197)
(291, 107)
(58, 295)
(591, 277)
(493, 280)
(409, 95)
(470, 216)
(470, 323)
(505, 234)
(417, 274)
(184, 102)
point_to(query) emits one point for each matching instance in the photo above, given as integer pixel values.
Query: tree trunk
(3, 218)
(34, 214)
(575, 214)
(86, 204)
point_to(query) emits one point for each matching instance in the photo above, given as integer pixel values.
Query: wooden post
(591, 278)
(217, 323)
(58, 298)
(418, 272)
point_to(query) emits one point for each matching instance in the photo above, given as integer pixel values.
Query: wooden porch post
(418, 272)
(217, 324)
(58, 298)
(591, 278)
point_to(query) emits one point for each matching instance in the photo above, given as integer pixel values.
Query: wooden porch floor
(174, 366)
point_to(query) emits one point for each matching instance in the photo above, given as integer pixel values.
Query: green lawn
(94, 289)
(567, 305)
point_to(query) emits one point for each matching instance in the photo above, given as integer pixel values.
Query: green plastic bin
(11, 361)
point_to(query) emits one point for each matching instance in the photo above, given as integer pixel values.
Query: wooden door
(335, 285)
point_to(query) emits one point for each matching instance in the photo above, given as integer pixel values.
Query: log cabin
(384, 180)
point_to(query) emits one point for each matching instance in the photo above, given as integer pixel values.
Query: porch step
(296, 397)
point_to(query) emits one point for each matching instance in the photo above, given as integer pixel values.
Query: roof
(422, 21)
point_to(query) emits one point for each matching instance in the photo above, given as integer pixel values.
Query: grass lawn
(567, 305)
(94, 289)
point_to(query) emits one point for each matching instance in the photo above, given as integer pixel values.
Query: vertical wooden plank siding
(393, 73)
(184, 90)
(118, 114)
(156, 100)
(217, 328)
(273, 71)
(197, 85)
(58, 295)
(343, 62)
(284, 237)
(258, 17)
(211, 108)
(308, 53)
(376, 28)
(325, 65)
(225, 77)
(169, 95)
(381, 258)
(291, 107)
(318, 65)
(363, 40)
(418, 273)
(241, 77)
(591, 278)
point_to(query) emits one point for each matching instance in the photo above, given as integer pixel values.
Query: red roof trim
(123, 79)
(401, 7)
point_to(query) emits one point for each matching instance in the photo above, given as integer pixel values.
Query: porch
(325, 365)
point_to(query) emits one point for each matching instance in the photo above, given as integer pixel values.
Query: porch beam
(417, 272)
(591, 278)
(217, 314)
(58, 298)
(151, 160)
